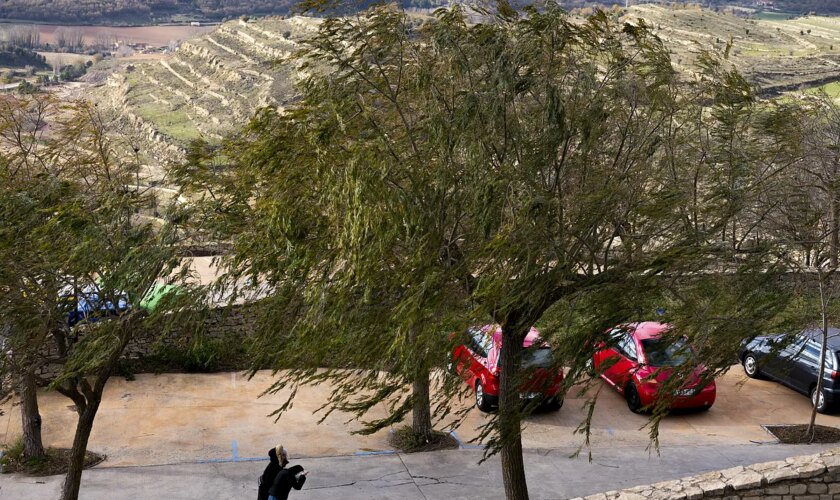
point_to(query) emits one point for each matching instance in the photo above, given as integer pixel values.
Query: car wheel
(751, 366)
(590, 367)
(821, 406)
(554, 403)
(634, 401)
(481, 401)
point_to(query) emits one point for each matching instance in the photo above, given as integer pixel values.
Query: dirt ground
(186, 418)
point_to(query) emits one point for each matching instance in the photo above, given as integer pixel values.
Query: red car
(640, 359)
(477, 362)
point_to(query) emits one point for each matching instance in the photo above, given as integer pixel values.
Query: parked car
(639, 360)
(84, 304)
(476, 360)
(793, 360)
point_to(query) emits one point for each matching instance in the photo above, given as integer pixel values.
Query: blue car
(793, 360)
(86, 305)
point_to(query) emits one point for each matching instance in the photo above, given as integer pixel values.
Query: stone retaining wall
(231, 324)
(809, 477)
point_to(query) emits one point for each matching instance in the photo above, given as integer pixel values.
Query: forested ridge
(133, 11)
(805, 6)
(148, 11)
(156, 11)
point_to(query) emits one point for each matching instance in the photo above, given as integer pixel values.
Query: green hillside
(777, 54)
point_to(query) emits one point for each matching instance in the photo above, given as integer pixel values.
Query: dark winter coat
(268, 475)
(285, 481)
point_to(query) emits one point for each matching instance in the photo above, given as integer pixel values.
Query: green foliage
(26, 88)
(72, 72)
(532, 169)
(12, 452)
(70, 231)
(19, 57)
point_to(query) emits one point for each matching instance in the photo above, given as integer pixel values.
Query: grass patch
(797, 434)
(55, 462)
(774, 16)
(831, 89)
(404, 440)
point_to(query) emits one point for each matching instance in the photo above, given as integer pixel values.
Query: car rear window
(537, 358)
(667, 352)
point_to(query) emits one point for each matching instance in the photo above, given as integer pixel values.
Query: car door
(805, 367)
(781, 359)
(464, 356)
(623, 361)
(478, 350)
(607, 353)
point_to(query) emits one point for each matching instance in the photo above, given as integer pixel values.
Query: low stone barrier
(808, 477)
(231, 324)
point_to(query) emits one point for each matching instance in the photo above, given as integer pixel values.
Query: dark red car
(639, 360)
(477, 362)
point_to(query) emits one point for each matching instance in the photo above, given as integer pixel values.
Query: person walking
(275, 455)
(286, 479)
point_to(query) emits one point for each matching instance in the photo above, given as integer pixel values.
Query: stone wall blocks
(832, 462)
(693, 493)
(626, 495)
(714, 487)
(766, 466)
(778, 490)
(730, 473)
(783, 474)
(746, 480)
(817, 488)
(809, 470)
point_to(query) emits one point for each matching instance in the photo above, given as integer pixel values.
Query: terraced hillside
(777, 55)
(208, 87)
(213, 83)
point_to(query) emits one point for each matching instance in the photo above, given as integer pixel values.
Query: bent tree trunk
(70, 490)
(510, 416)
(33, 446)
(421, 415)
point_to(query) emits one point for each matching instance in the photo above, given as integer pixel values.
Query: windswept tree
(77, 259)
(440, 172)
(806, 220)
(341, 212)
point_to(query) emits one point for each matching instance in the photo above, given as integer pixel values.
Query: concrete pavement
(184, 418)
(447, 474)
(205, 436)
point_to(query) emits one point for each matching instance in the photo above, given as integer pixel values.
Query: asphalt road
(447, 474)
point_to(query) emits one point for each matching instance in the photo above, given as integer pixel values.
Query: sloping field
(209, 87)
(776, 54)
(214, 82)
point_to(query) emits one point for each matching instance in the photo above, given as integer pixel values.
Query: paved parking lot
(186, 418)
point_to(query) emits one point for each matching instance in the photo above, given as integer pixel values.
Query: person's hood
(272, 455)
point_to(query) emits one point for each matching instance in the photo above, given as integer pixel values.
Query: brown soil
(404, 440)
(55, 463)
(797, 434)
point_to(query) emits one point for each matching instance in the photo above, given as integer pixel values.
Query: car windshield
(664, 352)
(537, 358)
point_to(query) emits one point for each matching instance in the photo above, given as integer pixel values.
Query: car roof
(531, 338)
(816, 334)
(649, 329)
